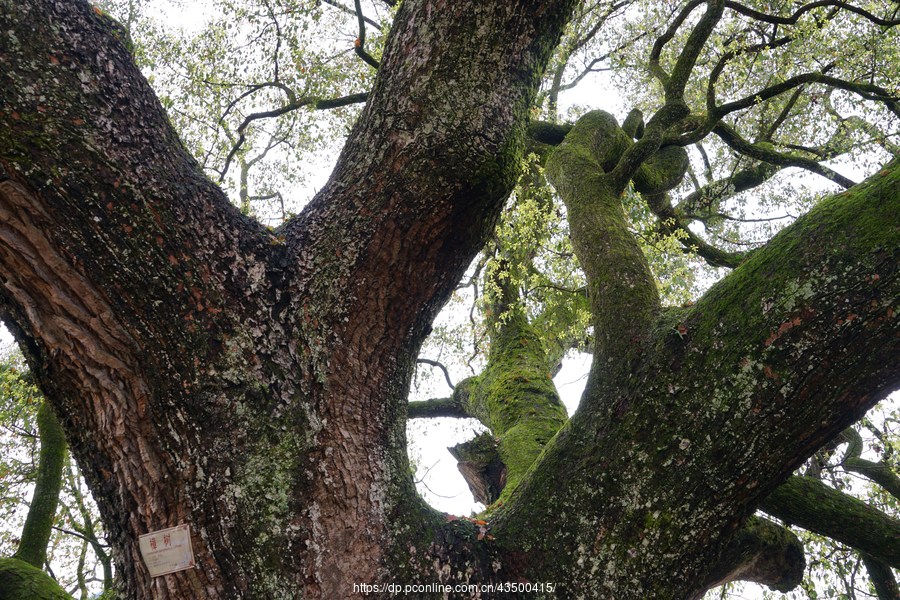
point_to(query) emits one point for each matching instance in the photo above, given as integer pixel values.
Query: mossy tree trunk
(22, 576)
(45, 499)
(253, 384)
(691, 417)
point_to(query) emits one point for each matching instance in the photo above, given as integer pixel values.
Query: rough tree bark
(207, 371)
(253, 384)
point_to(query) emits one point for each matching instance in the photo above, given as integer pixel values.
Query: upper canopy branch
(865, 90)
(795, 16)
(694, 45)
(359, 45)
(653, 62)
(765, 152)
(879, 472)
(774, 333)
(293, 104)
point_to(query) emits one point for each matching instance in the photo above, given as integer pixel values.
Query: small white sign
(167, 550)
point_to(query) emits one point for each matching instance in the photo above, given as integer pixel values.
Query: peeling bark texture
(39, 521)
(253, 384)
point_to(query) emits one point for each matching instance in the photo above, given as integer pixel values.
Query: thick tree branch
(882, 578)
(779, 330)
(42, 511)
(660, 43)
(619, 279)
(437, 407)
(695, 43)
(811, 504)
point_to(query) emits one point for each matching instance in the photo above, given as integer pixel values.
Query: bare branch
(671, 223)
(359, 45)
(434, 363)
(766, 153)
(277, 112)
(350, 11)
(661, 41)
(759, 16)
(865, 90)
(879, 472)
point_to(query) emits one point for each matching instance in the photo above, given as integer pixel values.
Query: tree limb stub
(762, 552)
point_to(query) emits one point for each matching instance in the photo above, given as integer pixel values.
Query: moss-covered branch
(670, 223)
(882, 578)
(514, 396)
(813, 505)
(22, 581)
(735, 392)
(39, 522)
(436, 407)
(622, 291)
(765, 152)
(879, 472)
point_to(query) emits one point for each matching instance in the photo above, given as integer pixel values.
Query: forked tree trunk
(253, 384)
(209, 372)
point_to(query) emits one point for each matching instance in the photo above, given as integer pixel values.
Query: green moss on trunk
(22, 581)
(39, 522)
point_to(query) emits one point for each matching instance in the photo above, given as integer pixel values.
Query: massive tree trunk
(253, 384)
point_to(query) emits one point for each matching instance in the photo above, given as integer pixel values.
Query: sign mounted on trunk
(167, 550)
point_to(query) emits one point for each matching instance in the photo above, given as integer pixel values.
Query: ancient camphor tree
(253, 382)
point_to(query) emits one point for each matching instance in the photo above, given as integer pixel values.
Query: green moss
(21, 581)
(849, 227)
(515, 397)
(619, 279)
(39, 522)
